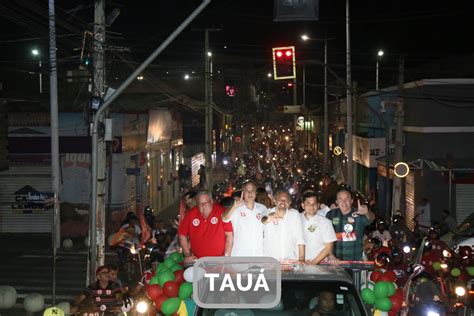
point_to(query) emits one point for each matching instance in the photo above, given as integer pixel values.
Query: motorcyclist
(399, 230)
(103, 296)
(124, 240)
(426, 296)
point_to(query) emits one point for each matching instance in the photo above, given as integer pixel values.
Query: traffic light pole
(398, 155)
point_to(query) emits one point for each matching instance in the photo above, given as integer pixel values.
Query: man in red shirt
(208, 234)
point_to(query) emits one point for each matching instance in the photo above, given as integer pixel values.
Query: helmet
(377, 243)
(397, 218)
(434, 230)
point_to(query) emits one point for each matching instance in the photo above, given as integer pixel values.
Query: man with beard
(283, 233)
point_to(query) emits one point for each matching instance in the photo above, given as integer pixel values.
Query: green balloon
(165, 277)
(437, 266)
(168, 263)
(391, 288)
(470, 271)
(455, 272)
(368, 296)
(185, 290)
(170, 306)
(384, 304)
(154, 280)
(175, 256)
(162, 268)
(176, 267)
(381, 290)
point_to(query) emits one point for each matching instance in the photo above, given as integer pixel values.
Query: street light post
(305, 37)
(379, 55)
(36, 53)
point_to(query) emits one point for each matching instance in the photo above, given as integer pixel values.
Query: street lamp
(186, 77)
(35, 52)
(305, 38)
(379, 55)
(269, 75)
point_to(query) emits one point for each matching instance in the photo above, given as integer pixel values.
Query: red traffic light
(284, 64)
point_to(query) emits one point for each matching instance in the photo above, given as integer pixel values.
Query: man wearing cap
(349, 224)
(208, 234)
(103, 295)
(246, 217)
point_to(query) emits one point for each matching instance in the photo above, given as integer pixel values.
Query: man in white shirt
(423, 215)
(246, 217)
(318, 231)
(382, 233)
(283, 231)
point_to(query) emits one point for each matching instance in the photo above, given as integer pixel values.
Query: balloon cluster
(384, 296)
(168, 287)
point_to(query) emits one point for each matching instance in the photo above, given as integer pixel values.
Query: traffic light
(284, 63)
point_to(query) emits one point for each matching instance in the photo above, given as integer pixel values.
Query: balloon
(170, 306)
(175, 267)
(165, 277)
(179, 276)
(175, 256)
(161, 269)
(384, 304)
(455, 272)
(368, 296)
(168, 263)
(171, 289)
(53, 311)
(392, 313)
(381, 290)
(437, 266)
(397, 302)
(375, 275)
(159, 301)
(185, 290)
(399, 292)
(188, 274)
(391, 288)
(390, 276)
(470, 271)
(380, 313)
(154, 280)
(153, 291)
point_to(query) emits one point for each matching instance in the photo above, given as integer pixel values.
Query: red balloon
(179, 276)
(397, 302)
(392, 313)
(399, 292)
(159, 301)
(153, 291)
(390, 275)
(171, 289)
(375, 276)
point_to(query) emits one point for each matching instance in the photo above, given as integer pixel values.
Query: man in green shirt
(349, 224)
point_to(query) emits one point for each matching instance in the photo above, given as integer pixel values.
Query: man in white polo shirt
(246, 217)
(283, 231)
(318, 231)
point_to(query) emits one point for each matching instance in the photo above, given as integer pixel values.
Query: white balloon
(8, 297)
(33, 302)
(188, 274)
(65, 306)
(67, 243)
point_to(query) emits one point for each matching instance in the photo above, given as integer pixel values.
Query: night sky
(422, 31)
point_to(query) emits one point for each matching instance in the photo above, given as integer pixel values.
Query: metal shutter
(16, 215)
(464, 201)
(410, 200)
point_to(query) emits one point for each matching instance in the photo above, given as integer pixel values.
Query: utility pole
(398, 155)
(209, 105)
(55, 171)
(348, 99)
(355, 184)
(97, 222)
(326, 119)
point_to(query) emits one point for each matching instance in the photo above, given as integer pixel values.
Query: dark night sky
(421, 30)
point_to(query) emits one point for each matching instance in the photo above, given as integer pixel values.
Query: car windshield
(311, 298)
